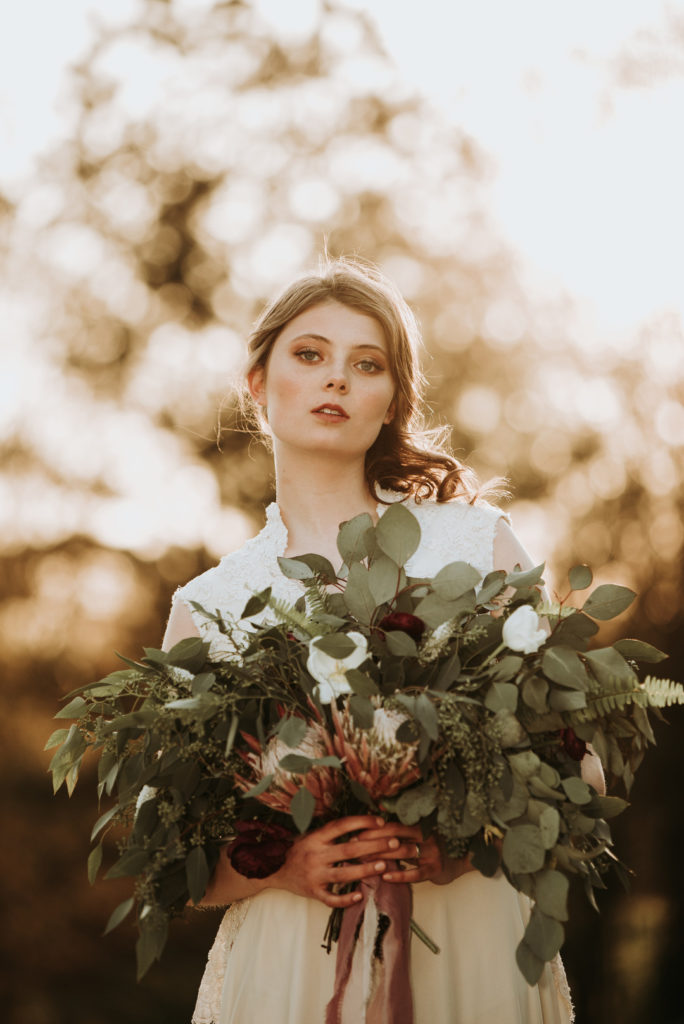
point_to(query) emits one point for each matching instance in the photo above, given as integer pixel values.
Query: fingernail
(379, 821)
(393, 844)
(356, 897)
(387, 878)
(380, 866)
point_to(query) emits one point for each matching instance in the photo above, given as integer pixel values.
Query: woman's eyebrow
(327, 341)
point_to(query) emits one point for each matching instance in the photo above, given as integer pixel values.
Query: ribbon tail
(372, 978)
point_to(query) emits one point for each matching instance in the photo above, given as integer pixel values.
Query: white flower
(330, 673)
(522, 631)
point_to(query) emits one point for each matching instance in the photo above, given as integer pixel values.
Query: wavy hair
(406, 456)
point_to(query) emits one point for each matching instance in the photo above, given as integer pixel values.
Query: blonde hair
(406, 456)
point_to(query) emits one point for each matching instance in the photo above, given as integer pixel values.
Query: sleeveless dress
(267, 963)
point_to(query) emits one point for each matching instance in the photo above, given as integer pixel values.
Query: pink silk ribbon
(392, 1002)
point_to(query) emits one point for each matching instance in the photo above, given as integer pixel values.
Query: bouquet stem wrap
(372, 979)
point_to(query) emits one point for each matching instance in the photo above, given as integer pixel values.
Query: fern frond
(316, 597)
(663, 692)
(618, 693)
(288, 614)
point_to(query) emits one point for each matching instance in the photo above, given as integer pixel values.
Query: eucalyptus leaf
(580, 577)
(455, 579)
(362, 711)
(292, 730)
(150, 944)
(56, 738)
(523, 849)
(576, 790)
(534, 692)
(502, 696)
(302, 807)
(357, 594)
(103, 820)
(94, 863)
(638, 650)
(72, 710)
(563, 666)
(261, 787)
(400, 644)
(361, 683)
(130, 863)
(383, 579)
(197, 873)
(398, 533)
(416, 803)
(493, 584)
(427, 716)
(507, 668)
(189, 653)
(352, 539)
(295, 569)
(607, 601)
(319, 565)
(434, 610)
(297, 763)
(605, 806)
(531, 966)
(118, 914)
(523, 578)
(544, 935)
(567, 700)
(607, 664)
(256, 603)
(549, 827)
(335, 645)
(448, 672)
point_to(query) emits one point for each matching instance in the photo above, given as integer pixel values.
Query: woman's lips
(330, 413)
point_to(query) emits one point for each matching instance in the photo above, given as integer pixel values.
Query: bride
(334, 381)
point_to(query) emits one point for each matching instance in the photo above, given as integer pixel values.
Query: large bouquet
(460, 704)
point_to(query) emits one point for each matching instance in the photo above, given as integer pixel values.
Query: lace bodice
(450, 531)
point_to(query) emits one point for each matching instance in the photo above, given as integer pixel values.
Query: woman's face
(327, 384)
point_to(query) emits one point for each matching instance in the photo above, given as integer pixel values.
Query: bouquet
(458, 703)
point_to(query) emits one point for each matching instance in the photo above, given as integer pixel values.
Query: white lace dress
(267, 964)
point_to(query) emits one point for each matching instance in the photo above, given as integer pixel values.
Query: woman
(333, 377)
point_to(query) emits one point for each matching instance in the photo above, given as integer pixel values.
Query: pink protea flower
(324, 783)
(374, 757)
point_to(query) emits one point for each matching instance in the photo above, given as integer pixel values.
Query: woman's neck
(315, 495)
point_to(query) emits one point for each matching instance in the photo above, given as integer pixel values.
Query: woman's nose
(336, 383)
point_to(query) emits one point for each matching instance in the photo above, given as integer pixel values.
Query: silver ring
(417, 851)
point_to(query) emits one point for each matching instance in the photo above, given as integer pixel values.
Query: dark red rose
(259, 849)
(404, 621)
(574, 747)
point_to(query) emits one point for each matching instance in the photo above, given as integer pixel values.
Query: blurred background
(166, 167)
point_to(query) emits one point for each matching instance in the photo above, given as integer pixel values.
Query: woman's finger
(343, 826)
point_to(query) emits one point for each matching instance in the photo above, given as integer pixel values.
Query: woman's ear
(390, 414)
(256, 382)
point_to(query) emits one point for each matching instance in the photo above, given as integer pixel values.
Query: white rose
(523, 632)
(330, 673)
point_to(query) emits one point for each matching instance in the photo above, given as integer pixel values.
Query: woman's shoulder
(237, 567)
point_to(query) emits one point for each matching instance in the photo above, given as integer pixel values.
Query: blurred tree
(212, 157)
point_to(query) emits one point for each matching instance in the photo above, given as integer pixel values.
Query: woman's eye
(369, 365)
(309, 355)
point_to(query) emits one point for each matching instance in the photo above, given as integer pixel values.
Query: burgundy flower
(404, 621)
(574, 747)
(259, 849)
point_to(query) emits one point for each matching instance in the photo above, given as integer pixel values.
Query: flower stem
(418, 931)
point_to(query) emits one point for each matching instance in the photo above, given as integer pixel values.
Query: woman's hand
(317, 862)
(428, 861)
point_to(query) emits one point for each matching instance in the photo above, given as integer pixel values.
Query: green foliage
(186, 741)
